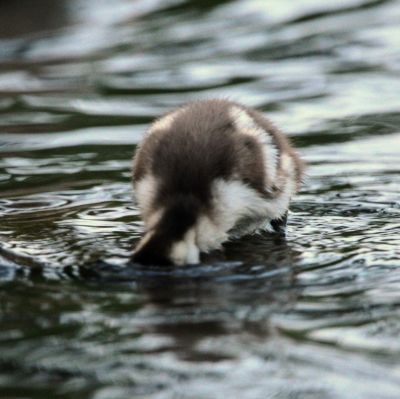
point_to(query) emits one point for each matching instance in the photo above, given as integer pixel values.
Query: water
(313, 317)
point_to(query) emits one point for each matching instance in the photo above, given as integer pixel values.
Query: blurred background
(314, 317)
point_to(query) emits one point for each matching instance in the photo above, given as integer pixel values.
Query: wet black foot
(279, 225)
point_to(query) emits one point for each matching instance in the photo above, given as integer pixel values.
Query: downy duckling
(207, 172)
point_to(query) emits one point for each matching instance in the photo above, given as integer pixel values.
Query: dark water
(315, 317)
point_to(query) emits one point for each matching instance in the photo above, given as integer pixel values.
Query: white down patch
(145, 191)
(234, 201)
(186, 251)
(245, 124)
(287, 184)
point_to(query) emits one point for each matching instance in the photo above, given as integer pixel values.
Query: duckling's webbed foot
(279, 225)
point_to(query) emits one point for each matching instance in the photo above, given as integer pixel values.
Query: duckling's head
(172, 239)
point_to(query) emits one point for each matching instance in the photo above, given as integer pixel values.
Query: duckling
(208, 172)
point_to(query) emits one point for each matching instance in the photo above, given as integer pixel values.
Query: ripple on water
(312, 316)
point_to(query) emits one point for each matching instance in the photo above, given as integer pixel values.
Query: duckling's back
(186, 150)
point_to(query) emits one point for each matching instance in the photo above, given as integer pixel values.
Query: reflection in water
(312, 316)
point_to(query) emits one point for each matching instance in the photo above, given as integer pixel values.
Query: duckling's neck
(172, 240)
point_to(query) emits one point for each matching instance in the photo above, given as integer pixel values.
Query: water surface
(314, 317)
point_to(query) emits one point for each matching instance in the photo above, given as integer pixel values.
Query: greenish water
(314, 317)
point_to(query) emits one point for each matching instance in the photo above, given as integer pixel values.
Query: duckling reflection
(201, 309)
